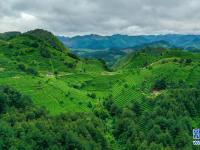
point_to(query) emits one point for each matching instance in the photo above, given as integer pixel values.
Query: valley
(153, 89)
(111, 48)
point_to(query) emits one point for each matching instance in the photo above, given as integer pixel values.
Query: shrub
(188, 61)
(11, 98)
(56, 73)
(22, 67)
(32, 71)
(73, 56)
(45, 53)
(175, 60)
(89, 105)
(126, 85)
(70, 65)
(34, 44)
(92, 95)
(160, 84)
(10, 46)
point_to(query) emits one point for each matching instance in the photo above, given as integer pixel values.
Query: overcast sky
(105, 17)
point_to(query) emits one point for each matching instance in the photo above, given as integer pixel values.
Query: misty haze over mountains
(97, 42)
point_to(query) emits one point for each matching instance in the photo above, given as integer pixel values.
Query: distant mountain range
(111, 48)
(97, 42)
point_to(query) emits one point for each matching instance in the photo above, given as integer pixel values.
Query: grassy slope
(58, 92)
(141, 70)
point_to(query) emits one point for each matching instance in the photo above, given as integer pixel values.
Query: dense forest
(52, 99)
(167, 124)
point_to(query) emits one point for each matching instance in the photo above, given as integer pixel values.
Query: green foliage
(70, 65)
(166, 125)
(32, 71)
(73, 56)
(151, 100)
(9, 35)
(111, 107)
(188, 61)
(45, 53)
(22, 67)
(10, 98)
(48, 38)
(18, 128)
(28, 70)
(92, 95)
(160, 84)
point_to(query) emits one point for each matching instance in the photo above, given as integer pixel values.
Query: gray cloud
(72, 17)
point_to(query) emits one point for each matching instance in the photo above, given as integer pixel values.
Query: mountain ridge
(184, 41)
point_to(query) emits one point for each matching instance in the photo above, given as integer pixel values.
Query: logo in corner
(196, 136)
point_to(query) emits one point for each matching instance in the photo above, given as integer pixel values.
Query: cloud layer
(73, 17)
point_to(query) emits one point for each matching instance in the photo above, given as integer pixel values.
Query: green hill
(147, 56)
(31, 64)
(48, 37)
(42, 51)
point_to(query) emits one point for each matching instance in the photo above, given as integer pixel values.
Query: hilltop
(42, 51)
(48, 37)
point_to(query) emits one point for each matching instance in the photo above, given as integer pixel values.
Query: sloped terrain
(39, 69)
(52, 99)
